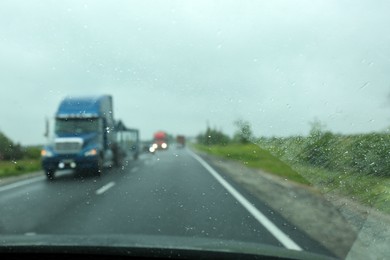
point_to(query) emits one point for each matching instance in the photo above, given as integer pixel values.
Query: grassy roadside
(369, 190)
(14, 168)
(253, 156)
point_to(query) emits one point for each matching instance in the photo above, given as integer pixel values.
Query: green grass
(12, 168)
(253, 156)
(356, 166)
(370, 190)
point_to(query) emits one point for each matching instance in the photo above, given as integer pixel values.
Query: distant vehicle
(180, 141)
(160, 141)
(151, 148)
(86, 137)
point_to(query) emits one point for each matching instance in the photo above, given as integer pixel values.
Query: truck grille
(68, 145)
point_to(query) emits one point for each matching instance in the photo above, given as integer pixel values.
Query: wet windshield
(224, 124)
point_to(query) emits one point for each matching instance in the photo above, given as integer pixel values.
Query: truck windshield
(77, 125)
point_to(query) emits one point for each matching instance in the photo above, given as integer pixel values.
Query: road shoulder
(304, 206)
(12, 179)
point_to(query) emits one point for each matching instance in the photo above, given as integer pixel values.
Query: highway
(170, 193)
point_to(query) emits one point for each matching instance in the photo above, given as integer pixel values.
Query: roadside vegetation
(356, 166)
(253, 156)
(13, 168)
(240, 148)
(16, 159)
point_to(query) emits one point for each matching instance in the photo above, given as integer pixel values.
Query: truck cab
(84, 136)
(160, 141)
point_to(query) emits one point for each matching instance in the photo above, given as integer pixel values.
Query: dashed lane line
(21, 183)
(105, 188)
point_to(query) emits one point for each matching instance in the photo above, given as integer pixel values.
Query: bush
(213, 137)
(32, 152)
(367, 154)
(243, 134)
(370, 154)
(319, 150)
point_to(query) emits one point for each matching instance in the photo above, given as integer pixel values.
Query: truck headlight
(46, 153)
(91, 152)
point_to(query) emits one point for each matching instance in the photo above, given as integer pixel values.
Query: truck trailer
(128, 140)
(85, 137)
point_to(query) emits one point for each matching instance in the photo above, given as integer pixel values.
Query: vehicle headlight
(164, 145)
(46, 153)
(152, 149)
(91, 152)
(155, 146)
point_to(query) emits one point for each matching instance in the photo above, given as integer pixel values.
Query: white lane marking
(105, 188)
(21, 183)
(134, 169)
(260, 217)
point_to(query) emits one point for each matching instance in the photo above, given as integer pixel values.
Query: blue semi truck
(87, 138)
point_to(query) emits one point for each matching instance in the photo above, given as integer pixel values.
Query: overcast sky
(176, 65)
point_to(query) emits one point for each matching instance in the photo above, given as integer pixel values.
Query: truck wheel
(50, 175)
(117, 160)
(99, 169)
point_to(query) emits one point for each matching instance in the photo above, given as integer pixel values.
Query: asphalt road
(174, 192)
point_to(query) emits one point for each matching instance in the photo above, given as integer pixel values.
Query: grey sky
(174, 65)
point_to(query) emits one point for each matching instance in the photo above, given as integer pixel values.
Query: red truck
(160, 141)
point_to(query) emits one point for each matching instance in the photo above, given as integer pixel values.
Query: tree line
(214, 136)
(10, 150)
